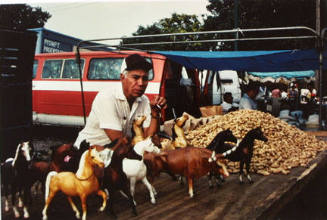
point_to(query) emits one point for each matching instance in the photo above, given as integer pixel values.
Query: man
(227, 105)
(113, 112)
(248, 99)
(293, 96)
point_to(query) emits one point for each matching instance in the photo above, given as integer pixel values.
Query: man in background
(248, 99)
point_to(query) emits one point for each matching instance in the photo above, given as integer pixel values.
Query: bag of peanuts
(211, 110)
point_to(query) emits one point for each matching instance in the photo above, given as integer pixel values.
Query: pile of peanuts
(287, 146)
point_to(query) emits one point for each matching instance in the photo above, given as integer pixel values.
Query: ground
(269, 197)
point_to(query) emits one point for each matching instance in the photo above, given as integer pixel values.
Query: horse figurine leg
(241, 171)
(84, 208)
(190, 186)
(104, 197)
(151, 190)
(20, 201)
(72, 204)
(27, 200)
(247, 166)
(132, 188)
(13, 201)
(49, 194)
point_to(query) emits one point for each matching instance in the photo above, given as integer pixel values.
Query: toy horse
(138, 134)
(243, 151)
(15, 173)
(81, 184)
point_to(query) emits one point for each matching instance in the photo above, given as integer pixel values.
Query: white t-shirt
(110, 110)
(226, 106)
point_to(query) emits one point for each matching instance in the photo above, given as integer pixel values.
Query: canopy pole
(322, 123)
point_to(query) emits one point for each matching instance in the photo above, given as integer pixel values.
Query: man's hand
(157, 104)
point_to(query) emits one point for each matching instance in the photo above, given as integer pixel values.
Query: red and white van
(57, 97)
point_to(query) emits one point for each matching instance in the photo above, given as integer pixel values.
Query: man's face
(134, 83)
(229, 99)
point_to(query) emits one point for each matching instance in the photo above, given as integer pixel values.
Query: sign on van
(52, 46)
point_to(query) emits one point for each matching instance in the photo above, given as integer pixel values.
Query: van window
(35, 64)
(226, 81)
(71, 69)
(108, 68)
(51, 69)
(61, 69)
(105, 68)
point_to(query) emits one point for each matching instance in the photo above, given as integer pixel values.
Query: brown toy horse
(81, 184)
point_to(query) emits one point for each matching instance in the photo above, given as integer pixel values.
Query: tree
(22, 17)
(177, 23)
(263, 14)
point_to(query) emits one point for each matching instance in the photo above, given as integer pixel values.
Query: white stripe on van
(153, 87)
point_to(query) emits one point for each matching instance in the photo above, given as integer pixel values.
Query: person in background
(275, 93)
(248, 100)
(275, 101)
(227, 105)
(293, 97)
(113, 112)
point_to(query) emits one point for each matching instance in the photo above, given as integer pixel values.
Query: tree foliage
(22, 17)
(263, 14)
(251, 14)
(177, 23)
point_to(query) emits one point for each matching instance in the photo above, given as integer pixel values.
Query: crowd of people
(274, 98)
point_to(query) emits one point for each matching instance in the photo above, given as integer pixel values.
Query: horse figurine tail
(47, 183)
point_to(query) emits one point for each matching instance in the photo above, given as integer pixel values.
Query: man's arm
(113, 134)
(156, 105)
(154, 124)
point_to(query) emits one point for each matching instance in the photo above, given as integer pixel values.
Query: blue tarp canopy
(288, 75)
(251, 61)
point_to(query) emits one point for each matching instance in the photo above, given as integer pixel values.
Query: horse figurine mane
(220, 138)
(25, 147)
(81, 165)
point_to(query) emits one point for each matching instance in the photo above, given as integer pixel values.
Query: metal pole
(317, 75)
(320, 83)
(322, 123)
(236, 23)
(78, 60)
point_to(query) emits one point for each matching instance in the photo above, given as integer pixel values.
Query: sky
(109, 18)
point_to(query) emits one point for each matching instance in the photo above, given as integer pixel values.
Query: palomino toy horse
(81, 184)
(179, 139)
(243, 151)
(178, 136)
(15, 173)
(137, 131)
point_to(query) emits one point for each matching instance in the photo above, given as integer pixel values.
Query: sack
(211, 110)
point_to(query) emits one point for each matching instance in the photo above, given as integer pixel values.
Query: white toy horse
(136, 170)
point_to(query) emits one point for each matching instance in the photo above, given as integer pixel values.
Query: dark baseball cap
(136, 62)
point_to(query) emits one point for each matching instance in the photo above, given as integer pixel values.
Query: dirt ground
(269, 197)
